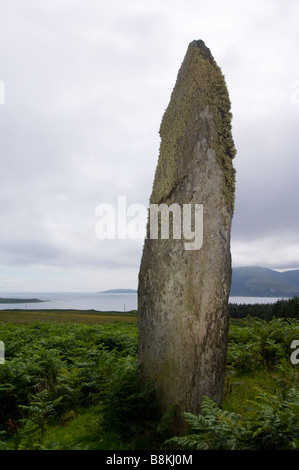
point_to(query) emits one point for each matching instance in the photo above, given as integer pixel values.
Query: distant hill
(119, 291)
(254, 281)
(19, 301)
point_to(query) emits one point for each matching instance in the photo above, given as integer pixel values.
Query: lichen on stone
(200, 86)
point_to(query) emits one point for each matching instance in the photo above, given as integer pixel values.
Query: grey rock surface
(183, 293)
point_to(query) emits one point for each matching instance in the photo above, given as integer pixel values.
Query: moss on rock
(200, 88)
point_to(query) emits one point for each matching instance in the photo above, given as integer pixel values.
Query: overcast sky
(86, 85)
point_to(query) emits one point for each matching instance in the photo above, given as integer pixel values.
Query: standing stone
(183, 293)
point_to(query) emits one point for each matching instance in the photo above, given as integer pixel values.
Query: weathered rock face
(183, 293)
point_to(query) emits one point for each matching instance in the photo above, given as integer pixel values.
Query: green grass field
(70, 381)
(90, 317)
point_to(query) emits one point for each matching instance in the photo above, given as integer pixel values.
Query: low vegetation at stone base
(75, 386)
(261, 404)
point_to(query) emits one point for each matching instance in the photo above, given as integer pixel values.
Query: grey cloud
(86, 87)
(267, 187)
(28, 253)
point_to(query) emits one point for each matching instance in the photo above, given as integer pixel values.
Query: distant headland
(19, 301)
(118, 291)
(253, 281)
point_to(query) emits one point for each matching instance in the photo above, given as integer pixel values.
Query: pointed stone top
(199, 91)
(205, 51)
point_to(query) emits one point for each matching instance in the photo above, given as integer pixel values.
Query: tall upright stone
(183, 292)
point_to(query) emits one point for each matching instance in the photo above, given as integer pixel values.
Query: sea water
(103, 302)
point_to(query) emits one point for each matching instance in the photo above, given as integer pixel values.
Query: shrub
(273, 426)
(130, 407)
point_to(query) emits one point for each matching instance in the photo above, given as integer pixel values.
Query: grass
(82, 430)
(68, 386)
(243, 389)
(90, 317)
